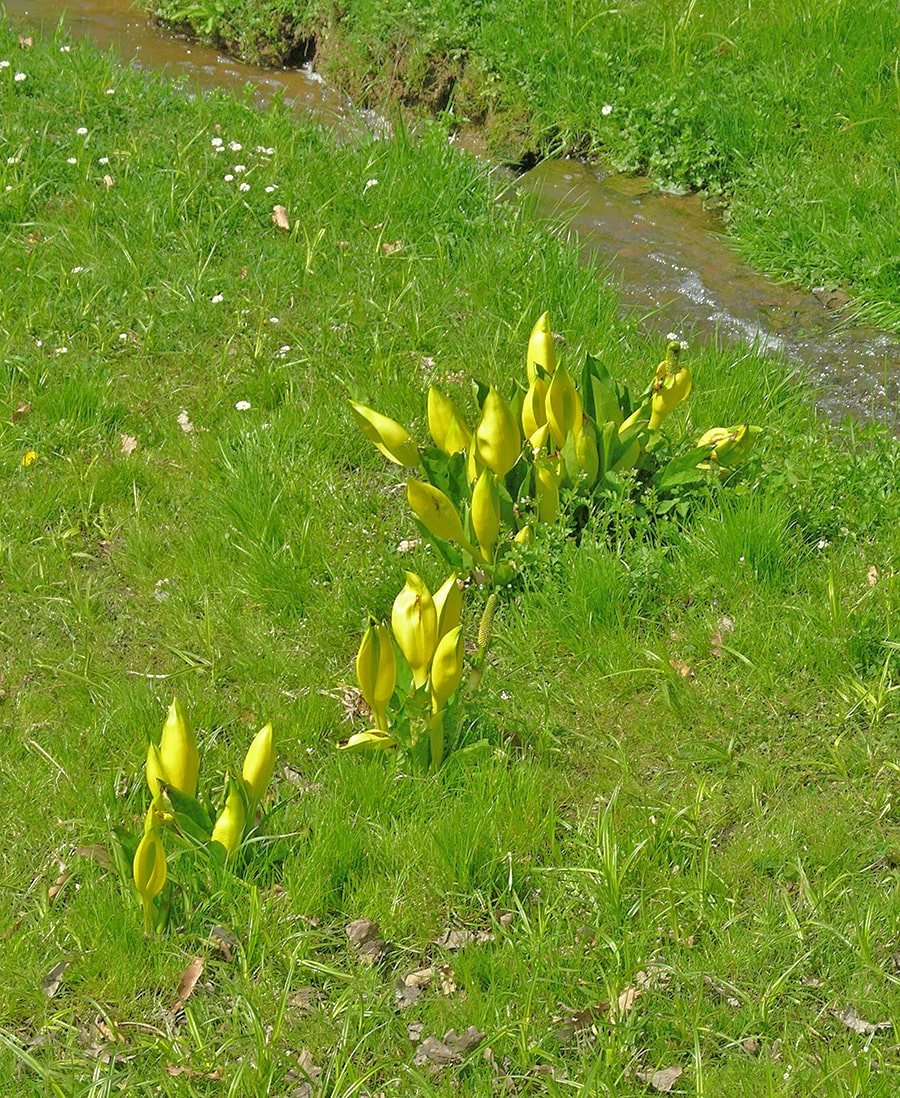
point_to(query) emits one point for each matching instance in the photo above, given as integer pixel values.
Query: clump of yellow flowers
(172, 771)
(410, 672)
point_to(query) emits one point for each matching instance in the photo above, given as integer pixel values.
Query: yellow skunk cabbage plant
(411, 673)
(186, 818)
(560, 441)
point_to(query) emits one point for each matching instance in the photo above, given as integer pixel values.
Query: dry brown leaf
(96, 853)
(463, 1042)
(22, 410)
(433, 1051)
(853, 1021)
(184, 422)
(362, 930)
(129, 444)
(187, 983)
(52, 982)
(280, 219)
(751, 1045)
(190, 1073)
(392, 248)
(717, 644)
(108, 182)
(458, 939)
(26, 41)
(575, 1022)
(307, 999)
(663, 1080)
(54, 889)
(625, 1003)
(224, 941)
(307, 1072)
(682, 668)
(445, 979)
(414, 1031)
(872, 576)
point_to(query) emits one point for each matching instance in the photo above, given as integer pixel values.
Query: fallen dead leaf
(108, 182)
(129, 444)
(751, 1045)
(295, 777)
(717, 644)
(96, 853)
(433, 1051)
(445, 979)
(408, 544)
(280, 219)
(184, 422)
(463, 1042)
(223, 941)
(26, 41)
(625, 1003)
(190, 1073)
(307, 999)
(853, 1021)
(366, 936)
(414, 1031)
(52, 982)
(575, 1022)
(872, 576)
(458, 939)
(187, 983)
(22, 410)
(663, 1080)
(307, 1072)
(392, 248)
(54, 889)
(682, 668)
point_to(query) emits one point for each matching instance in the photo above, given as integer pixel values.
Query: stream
(666, 253)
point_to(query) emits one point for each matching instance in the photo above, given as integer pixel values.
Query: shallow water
(667, 253)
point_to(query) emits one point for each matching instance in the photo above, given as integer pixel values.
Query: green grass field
(787, 110)
(678, 847)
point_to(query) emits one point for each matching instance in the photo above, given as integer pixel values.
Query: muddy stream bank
(666, 253)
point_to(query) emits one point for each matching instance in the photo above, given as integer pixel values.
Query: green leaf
(682, 469)
(189, 809)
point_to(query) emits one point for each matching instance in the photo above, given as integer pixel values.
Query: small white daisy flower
(229, 178)
(606, 109)
(19, 77)
(244, 187)
(216, 299)
(235, 146)
(81, 131)
(243, 405)
(270, 188)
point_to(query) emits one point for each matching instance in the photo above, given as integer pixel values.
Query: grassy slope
(735, 828)
(789, 109)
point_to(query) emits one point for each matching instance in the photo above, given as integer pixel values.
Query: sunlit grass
(683, 753)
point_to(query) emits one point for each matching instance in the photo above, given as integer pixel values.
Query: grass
(690, 770)
(787, 111)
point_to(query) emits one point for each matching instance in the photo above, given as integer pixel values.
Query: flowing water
(667, 253)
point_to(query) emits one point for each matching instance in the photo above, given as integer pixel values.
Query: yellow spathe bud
(435, 511)
(497, 435)
(525, 536)
(671, 386)
(448, 600)
(447, 427)
(374, 740)
(447, 668)
(486, 511)
(376, 671)
(259, 762)
(538, 440)
(149, 866)
(541, 348)
(229, 826)
(587, 454)
(534, 407)
(731, 444)
(563, 406)
(414, 622)
(178, 756)
(387, 435)
(153, 769)
(546, 478)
